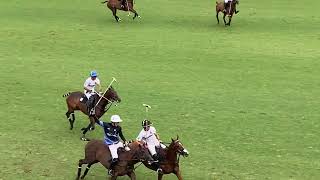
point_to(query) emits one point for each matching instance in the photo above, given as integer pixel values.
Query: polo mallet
(147, 108)
(113, 79)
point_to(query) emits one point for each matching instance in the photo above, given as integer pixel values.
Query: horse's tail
(66, 95)
(104, 2)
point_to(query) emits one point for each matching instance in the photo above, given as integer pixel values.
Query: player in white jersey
(149, 135)
(91, 85)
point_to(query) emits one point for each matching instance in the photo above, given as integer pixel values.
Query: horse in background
(169, 159)
(229, 10)
(115, 5)
(97, 151)
(74, 104)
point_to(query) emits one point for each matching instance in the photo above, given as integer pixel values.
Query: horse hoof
(139, 16)
(84, 139)
(91, 129)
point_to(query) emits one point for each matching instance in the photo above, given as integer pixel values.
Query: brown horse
(97, 151)
(169, 159)
(229, 10)
(113, 5)
(73, 103)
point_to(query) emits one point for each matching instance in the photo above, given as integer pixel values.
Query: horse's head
(140, 151)
(177, 146)
(112, 95)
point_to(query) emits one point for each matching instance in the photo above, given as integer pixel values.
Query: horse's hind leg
(81, 162)
(87, 170)
(70, 118)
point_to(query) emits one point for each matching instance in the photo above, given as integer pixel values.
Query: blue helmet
(93, 74)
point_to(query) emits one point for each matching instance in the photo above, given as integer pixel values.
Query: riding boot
(156, 164)
(90, 106)
(112, 165)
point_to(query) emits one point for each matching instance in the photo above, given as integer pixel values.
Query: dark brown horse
(74, 104)
(113, 5)
(97, 151)
(229, 10)
(169, 159)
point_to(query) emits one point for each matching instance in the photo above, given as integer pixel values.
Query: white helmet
(115, 118)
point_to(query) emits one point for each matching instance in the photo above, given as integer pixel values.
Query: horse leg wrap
(73, 117)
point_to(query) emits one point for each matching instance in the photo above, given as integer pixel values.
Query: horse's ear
(172, 140)
(177, 136)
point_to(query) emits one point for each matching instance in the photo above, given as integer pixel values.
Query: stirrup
(159, 170)
(110, 172)
(92, 112)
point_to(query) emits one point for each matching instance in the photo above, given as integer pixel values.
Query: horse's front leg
(92, 123)
(224, 19)
(235, 10)
(178, 174)
(132, 175)
(114, 12)
(135, 13)
(230, 17)
(160, 176)
(113, 177)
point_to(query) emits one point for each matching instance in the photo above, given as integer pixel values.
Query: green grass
(244, 99)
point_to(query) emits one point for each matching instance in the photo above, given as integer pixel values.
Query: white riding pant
(152, 148)
(226, 1)
(114, 149)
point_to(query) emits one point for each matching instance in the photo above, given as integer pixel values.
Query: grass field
(244, 99)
